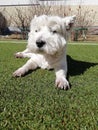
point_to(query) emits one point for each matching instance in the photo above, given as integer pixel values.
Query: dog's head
(48, 33)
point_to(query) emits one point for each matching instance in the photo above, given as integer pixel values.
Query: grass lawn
(33, 103)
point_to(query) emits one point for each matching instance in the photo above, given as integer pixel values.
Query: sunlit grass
(33, 103)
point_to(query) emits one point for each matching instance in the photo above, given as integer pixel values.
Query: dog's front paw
(18, 55)
(18, 73)
(62, 83)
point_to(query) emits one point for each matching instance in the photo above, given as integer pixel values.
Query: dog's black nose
(40, 43)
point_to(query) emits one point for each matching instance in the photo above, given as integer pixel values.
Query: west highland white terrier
(47, 47)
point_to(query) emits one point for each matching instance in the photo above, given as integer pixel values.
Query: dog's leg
(23, 54)
(61, 81)
(30, 65)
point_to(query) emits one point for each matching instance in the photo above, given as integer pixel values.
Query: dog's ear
(69, 21)
(35, 16)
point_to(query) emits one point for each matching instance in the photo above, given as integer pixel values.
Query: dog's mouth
(40, 50)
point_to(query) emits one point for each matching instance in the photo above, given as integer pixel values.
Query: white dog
(47, 47)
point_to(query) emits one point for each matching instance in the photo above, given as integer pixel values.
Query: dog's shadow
(78, 67)
(75, 67)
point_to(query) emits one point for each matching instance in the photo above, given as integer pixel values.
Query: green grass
(33, 103)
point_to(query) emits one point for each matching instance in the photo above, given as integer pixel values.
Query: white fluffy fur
(53, 30)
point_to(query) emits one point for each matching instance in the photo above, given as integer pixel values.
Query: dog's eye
(54, 31)
(36, 30)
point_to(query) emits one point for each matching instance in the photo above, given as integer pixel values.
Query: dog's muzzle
(40, 43)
